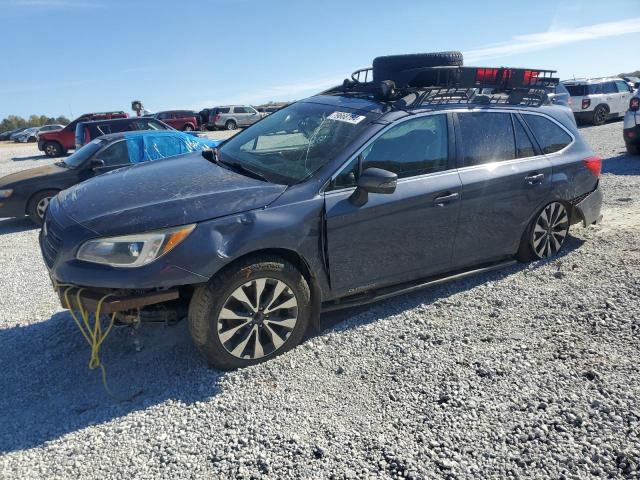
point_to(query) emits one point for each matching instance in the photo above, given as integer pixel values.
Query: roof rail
(437, 85)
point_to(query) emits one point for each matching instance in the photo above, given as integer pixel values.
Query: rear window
(486, 137)
(550, 136)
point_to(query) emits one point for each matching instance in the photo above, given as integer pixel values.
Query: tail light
(594, 165)
(586, 103)
(217, 117)
(634, 104)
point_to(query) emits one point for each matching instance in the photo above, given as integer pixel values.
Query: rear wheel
(38, 204)
(188, 128)
(231, 125)
(632, 149)
(53, 149)
(600, 115)
(250, 312)
(546, 234)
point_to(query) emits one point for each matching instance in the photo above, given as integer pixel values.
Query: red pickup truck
(56, 144)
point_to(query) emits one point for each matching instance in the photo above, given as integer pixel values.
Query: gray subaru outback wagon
(404, 176)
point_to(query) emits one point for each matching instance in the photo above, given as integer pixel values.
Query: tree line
(13, 121)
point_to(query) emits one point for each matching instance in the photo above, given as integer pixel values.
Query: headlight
(133, 250)
(6, 193)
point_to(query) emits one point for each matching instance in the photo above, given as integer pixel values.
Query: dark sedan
(29, 192)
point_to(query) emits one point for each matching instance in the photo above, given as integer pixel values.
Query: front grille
(51, 240)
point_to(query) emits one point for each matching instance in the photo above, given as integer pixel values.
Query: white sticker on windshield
(346, 117)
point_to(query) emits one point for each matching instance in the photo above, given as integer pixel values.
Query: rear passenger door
(505, 180)
(624, 95)
(401, 236)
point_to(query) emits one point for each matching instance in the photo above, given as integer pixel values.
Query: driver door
(114, 156)
(401, 236)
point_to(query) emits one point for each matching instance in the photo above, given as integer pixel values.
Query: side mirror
(96, 163)
(373, 180)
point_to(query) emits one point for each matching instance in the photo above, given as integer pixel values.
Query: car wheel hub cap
(41, 208)
(550, 230)
(257, 318)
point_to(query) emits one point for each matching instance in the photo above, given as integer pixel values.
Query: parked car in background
(58, 143)
(7, 134)
(631, 128)
(633, 82)
(25, 136)
(231, 117)
(185, 120)
(597, 100)
(561, 96)
(18, 132)
(31, 135)
(28, 192)
(87, 131)
(344, 198)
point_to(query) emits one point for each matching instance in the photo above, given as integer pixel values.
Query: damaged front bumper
(78, 298)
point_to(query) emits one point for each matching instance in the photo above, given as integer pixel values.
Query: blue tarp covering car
(144, 146)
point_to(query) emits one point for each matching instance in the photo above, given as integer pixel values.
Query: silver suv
(597, 100)
(231, 117)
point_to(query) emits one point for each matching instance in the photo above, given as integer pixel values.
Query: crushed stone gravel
(529, 372)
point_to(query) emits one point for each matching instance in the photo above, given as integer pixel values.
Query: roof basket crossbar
(437, 85)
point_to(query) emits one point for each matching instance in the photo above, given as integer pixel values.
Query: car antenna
(211, 154)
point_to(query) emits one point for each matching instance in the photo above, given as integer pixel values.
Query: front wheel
(250, 312)
(546, 234)
(38, 204)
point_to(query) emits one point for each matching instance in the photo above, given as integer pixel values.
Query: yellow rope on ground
(93, 334)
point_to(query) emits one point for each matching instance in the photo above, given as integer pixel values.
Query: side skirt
(389, 292)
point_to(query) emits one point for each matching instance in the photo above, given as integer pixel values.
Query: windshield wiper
(214, 157)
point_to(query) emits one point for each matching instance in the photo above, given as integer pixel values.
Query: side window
(609, 87)
(550, 136)
(104, 129)
(240, 110)
(622, 86)
(487, 137)
(411, 148)
(115, 154)
(348, 177)
(223, 110)
(524, 147)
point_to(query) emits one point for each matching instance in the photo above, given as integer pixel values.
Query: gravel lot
(527, 372)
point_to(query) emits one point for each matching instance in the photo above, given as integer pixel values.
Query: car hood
(163, 193)
(31, 173)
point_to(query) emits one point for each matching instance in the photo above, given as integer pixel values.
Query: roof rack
(440, 85)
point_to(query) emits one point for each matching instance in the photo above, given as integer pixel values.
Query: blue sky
(74, 56)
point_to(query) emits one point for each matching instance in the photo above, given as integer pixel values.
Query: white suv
(599, 99)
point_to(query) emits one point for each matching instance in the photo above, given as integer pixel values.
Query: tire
(544, 239)
(32, 140)
(230, 125)
(600, 115)
(37, 205)
(229, 339)
(53, 149)
(384, 67)
(632, 149)
(187, 128)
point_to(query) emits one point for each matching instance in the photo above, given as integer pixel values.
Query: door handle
(534, 179)
(443, 200)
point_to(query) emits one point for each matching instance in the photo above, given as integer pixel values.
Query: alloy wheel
(42, 205)
(257, 318)
(550, 230)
